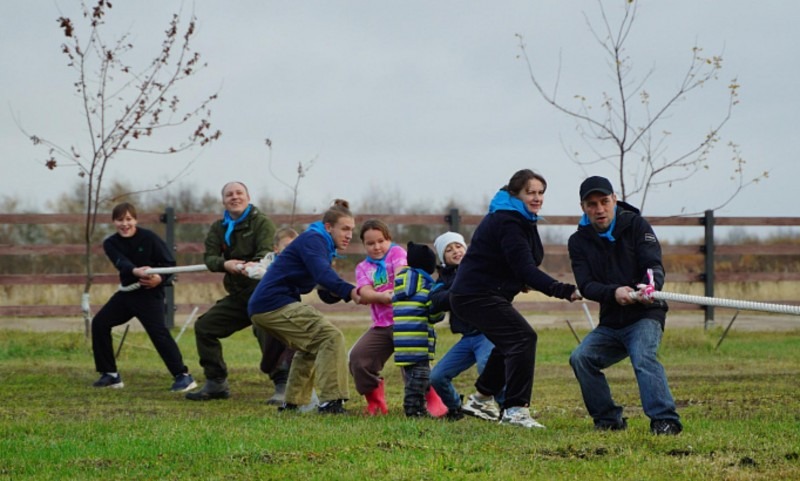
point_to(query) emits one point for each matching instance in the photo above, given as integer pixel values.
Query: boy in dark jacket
(611, 254)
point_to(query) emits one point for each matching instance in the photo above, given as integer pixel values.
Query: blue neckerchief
(320, 228)
(227, 220)
(503, 200)
(608, 234)
(381, 276)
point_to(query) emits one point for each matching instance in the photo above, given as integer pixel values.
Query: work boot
(212, 389)
(376, 401)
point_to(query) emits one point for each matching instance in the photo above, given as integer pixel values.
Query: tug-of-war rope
(645, 290)
(254, 271)
(648, 291)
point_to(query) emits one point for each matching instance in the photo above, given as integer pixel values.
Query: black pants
(513, 358)
(147, 305)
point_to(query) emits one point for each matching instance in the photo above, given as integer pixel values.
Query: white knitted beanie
(444, 240)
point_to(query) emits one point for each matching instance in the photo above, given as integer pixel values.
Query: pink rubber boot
(436, 407)
(376, 401)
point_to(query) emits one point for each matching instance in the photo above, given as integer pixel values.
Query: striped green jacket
(414, 337)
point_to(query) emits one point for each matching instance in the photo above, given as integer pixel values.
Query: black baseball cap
(596, 183)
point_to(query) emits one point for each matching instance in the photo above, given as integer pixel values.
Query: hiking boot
(620, 425)
(520, 416)
(107, 380)
(279, 396)
(486, 409)
(332, 407)
(211, 390)
(666, 427)
(183, 383)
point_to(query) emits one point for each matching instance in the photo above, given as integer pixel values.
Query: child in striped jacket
(413, 334)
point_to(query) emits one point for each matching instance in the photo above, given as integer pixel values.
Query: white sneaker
(520, 416)
(487, 410)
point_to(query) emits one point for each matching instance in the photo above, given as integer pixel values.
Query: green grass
(739, 405)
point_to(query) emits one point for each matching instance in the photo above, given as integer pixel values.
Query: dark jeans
(604, 347)
(147, 305)
(513, 358)
(417, 379)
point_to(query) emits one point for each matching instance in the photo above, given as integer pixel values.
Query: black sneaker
(107, 380)
(211, 390)
(287, 407)
(666, 427)
(454, 415)
(332, 407)
(617, 426)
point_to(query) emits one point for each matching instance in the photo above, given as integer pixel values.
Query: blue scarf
(503, 200)
(381, 276)
(227, 220)
(319, 227)
(608, 233)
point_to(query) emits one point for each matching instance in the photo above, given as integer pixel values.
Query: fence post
(168, 218)
(453, 219)
(708, 277)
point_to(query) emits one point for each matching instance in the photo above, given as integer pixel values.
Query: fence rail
(709, 250)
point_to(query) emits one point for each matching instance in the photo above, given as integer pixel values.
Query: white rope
(720, 302)
(176, 269)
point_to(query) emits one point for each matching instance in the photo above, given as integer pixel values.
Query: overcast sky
(422, 99)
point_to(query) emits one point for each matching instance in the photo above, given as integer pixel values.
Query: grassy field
(740, 406)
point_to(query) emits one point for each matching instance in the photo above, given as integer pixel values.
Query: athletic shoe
(454, 414)
(617, 426)
(487, 410)
(332, 407)
(520, 416)
(314, 404)
(107, 380)
(183, 383)
(665, 426)
(210, 390)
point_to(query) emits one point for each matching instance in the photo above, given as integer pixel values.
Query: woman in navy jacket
(503, 260)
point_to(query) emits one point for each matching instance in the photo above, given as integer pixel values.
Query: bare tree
(302, 170)
(629, 121)
(125, 108)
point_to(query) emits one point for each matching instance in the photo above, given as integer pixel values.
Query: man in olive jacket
(240, 239)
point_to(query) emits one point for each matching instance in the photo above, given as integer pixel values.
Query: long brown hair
(375, 224)
(520, 180)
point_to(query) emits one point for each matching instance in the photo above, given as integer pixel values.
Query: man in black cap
(614, 252)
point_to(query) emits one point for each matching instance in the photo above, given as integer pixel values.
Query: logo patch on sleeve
(648, 237)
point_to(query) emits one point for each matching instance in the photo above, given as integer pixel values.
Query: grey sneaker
(520, 416)
(210, 390)
(107, 380)
(314, 404)
(487, 409)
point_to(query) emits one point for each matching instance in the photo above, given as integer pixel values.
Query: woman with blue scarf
(277, 307)
(503, 260)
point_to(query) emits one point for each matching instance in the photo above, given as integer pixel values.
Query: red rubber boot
(436, 407)
(376, 401)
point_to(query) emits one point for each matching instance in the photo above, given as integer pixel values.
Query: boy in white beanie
(473, 347)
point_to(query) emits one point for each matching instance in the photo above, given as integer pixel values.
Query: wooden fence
(709, 249)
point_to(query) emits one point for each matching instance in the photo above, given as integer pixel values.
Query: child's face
(125, 225)
(376, 244)
(453, 253)
(283, 243)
